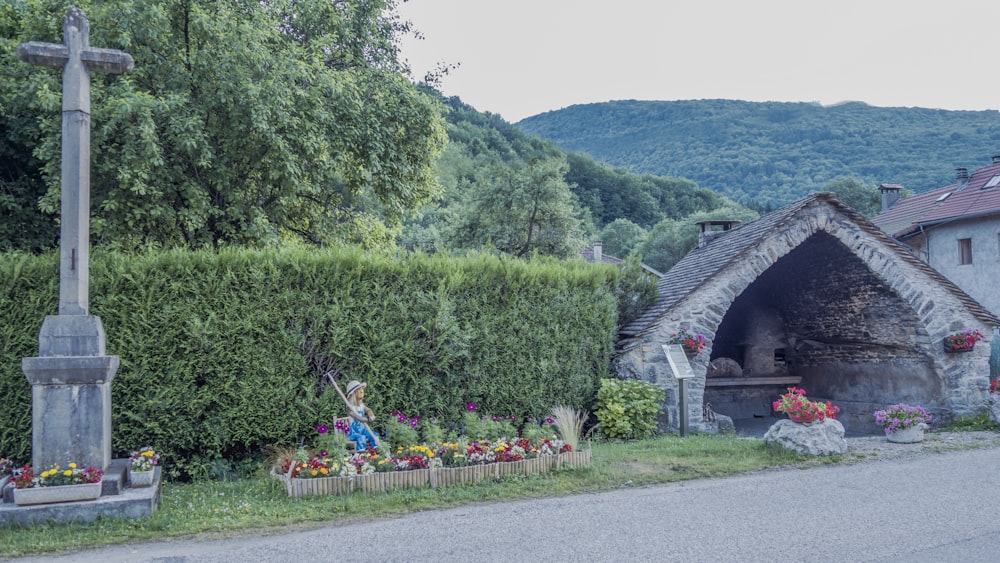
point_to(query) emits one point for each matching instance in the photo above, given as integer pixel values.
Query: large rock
(817, 438)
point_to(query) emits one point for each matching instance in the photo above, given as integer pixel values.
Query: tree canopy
(243, 122)
(491, 168)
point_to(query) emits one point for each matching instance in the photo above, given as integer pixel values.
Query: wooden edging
(436, 477)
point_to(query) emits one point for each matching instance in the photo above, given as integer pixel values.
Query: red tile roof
(902, 218)
(966, 200)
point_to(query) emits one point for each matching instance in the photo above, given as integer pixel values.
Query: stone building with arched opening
(812, 295)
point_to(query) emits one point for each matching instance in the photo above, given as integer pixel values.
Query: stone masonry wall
(872, 295)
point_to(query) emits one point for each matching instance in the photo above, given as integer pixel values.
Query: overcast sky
(523, 57)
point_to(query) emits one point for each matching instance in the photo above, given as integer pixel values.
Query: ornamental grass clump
(569, 424)
(900, 417)
(800, 409)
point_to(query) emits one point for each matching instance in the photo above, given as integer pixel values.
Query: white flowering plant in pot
(144, 460)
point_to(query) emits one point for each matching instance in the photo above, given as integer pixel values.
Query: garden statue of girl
(359, 432)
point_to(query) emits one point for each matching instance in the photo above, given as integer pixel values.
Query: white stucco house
(954, 229)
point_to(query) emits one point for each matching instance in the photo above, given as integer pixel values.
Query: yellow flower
(68, 473)
(72, 466)
(324, 470)
(314, 473)
(147, 454)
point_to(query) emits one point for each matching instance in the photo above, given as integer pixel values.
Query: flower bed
(435, 476)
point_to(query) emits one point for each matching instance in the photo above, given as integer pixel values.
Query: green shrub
(223, 354)
(628, 409)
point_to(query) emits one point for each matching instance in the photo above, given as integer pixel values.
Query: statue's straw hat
(354, 385)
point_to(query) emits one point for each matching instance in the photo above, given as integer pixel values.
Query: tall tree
(621, 236)
(864, 198)
(671, 240)
(243, 122)
(520, 209)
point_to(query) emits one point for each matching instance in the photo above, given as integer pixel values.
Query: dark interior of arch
(820, 314)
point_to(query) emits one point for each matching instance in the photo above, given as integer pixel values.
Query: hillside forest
(767, 154)
(297, 123)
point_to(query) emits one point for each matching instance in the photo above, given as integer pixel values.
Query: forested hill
(775, 152)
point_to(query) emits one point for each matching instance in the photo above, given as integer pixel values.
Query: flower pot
(957, 350)
(61, 493)
(910, 435)
(141, 478)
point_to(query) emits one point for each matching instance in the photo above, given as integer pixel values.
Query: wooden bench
(752, 381)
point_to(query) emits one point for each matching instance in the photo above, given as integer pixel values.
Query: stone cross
(77, 59)
(71, 377)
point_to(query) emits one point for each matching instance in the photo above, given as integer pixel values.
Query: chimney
(890, 195)
(961, 176)
(712, 229)
(598, 248)
(996, 158)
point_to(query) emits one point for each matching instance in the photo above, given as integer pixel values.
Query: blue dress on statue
(359, 433)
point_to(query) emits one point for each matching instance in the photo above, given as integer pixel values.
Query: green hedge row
(223, 353)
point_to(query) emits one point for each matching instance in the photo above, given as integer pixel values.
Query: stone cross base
(71, 394)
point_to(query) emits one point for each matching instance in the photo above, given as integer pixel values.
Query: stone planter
(142, 478)
(62, 493)
(910, 435)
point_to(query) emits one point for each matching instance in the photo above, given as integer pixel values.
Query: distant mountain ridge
(771, 153)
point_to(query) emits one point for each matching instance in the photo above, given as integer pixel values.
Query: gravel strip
(869, 448)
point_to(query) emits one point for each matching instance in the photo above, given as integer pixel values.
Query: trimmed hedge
(223, 353)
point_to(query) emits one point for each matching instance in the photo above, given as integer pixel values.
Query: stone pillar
(71, 393)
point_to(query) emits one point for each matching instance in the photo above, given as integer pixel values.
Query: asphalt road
(933, 507)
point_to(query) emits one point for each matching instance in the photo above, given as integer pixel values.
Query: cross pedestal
(71, 378)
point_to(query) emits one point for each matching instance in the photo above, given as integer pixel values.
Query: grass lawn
(250, 505)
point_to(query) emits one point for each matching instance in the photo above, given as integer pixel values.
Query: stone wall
(978, 279)
(825, 300)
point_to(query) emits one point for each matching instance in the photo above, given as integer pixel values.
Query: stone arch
(888, 350)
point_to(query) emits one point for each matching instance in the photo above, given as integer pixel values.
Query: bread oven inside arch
(819, 318)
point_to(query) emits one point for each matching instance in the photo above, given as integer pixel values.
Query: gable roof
(704, 262)
(956, 201)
